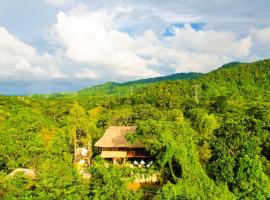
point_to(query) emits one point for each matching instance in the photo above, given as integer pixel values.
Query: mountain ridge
(125, 87)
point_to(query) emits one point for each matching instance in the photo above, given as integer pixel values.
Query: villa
(114, 145)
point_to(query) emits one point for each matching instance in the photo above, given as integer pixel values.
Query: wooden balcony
(123, 154)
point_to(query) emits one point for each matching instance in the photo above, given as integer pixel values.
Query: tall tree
(79, 128)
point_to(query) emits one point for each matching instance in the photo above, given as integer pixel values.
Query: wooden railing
(136, 154)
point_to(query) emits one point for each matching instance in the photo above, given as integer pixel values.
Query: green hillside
(126, 88)
(245, 82)
(242, 80)
(235, 78)
(215, 146)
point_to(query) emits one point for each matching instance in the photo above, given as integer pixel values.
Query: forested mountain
(247, 80)
(125, 88)
(209, 136)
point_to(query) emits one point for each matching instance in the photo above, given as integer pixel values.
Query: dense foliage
(113, 88)
(213, 147)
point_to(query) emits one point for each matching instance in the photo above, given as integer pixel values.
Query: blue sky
(49, 46)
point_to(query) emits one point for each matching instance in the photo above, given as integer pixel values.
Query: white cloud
(21, 61)
(14, 46)
(120, 40)
(202, 51)
(190, 50)
(86, 74)
(90, 38)
(171, 17)
(262, 35)
(59, 2)
(210, 42)
(93, 47)
(15, 55)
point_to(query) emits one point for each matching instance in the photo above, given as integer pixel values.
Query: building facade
(114, 145)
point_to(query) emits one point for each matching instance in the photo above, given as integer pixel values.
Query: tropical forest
(203, 136)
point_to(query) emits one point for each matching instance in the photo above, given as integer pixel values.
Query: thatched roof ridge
(114, 136)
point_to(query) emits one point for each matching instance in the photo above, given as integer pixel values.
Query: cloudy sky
(63, 45)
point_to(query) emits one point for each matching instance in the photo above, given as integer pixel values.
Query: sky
(49, 46)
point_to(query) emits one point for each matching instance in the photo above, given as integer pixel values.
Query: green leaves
(218, 148)
(20, 141)
(174, 146)
(111, 182)
(236, 158)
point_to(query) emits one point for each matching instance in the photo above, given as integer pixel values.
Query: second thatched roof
(114, 136)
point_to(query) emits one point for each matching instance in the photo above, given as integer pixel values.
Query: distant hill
(132, 86)
(177, 76)
(231, 64)
(243, 79)
(246, 82)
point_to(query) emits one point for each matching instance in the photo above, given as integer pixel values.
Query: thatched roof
(114, 136)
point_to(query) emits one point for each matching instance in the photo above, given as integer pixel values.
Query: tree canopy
(214, 148)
